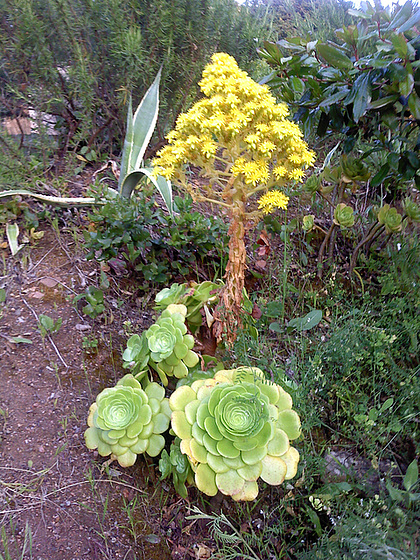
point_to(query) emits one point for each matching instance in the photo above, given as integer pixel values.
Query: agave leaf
(139, 130)
(128, 144)
(12, 232)
(56, 200)
(163, 185)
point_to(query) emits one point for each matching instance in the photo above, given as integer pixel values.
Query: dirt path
(48, 479)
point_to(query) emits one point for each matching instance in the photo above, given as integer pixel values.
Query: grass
(11, 549)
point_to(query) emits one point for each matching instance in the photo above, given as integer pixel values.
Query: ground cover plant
(293, 433)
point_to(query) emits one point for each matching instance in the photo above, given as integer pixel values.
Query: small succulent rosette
(344, 216)
(166, 346)
(126, 420)
(197, 298)
(390, 218)
(234, 429)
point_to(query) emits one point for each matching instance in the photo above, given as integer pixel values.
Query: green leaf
(2, 295)
(395, 494)
(309, 321)
(406, 85)
(400, 44)
(12, 232)
(380, 176)
(332, 99)
(20, 340)
(401, 17)
(362, 96)
(275, 327)
(271, 52)
(411, 22)
(139, 130)
(411, 476)
(46, 322)
(313, 516)
(297, 85)
(414, 105)
(383, 102)
(128, 141)
(334, 57)
(387, 404)
(358, 13)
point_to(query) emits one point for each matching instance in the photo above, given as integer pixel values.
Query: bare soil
(75, 505)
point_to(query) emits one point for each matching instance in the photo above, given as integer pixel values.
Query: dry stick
(48, 336)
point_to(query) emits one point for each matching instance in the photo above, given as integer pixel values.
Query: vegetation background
(337, 294)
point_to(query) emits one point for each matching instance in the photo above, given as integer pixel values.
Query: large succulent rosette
(166, 346)
(126, 420)
(236, 428)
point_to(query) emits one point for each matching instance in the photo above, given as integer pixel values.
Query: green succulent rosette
(354, 170)
(308, 222)
(126, 420)
(390, 218)
(170, 345)
(236, 428)
(312, 184)
(412, 210)
(197, 298)
(166, 346)
(343, 215)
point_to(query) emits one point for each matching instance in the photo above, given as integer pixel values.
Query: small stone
(49, 282)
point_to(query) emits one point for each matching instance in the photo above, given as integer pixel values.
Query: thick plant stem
(322, 249)
(374, 232)
(230, 315)
(284, 268)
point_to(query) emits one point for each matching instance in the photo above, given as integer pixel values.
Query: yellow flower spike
(272, 200)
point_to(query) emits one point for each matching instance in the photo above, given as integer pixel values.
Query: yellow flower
(266, 148)
(272, 200)
(240, 121)
(280, 171)
(297, 174)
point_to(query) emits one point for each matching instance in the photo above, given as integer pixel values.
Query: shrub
(138, 237)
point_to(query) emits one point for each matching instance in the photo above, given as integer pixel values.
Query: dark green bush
(138, 237)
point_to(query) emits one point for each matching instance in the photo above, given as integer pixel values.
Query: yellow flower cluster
(239, 125)
(272, 200)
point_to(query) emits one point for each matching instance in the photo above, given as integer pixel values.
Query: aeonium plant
(126, 420)
(166, 347)
(236, 428)
(242, 144)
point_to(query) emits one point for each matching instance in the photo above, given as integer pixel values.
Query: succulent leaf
(412, 210)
